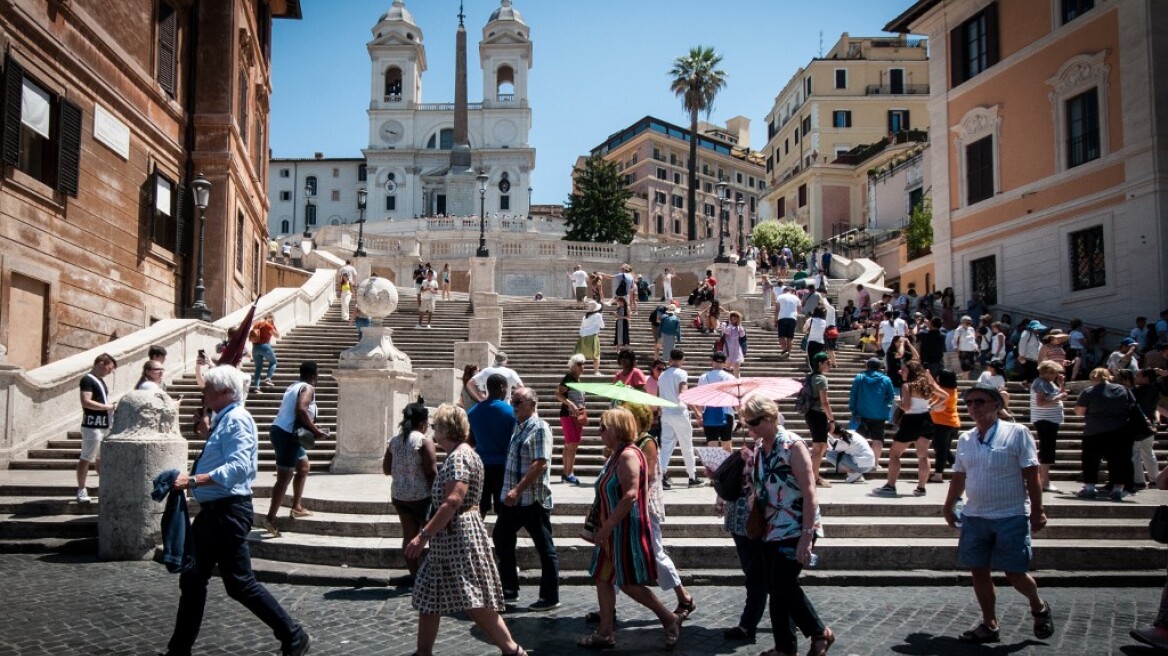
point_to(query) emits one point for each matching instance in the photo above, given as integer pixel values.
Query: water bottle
(957, 510)
(814, 560)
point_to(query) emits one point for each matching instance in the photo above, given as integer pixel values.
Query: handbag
(1158, 528)
(756, 522)
(728, 477)
(305, 437)
(1137, 422)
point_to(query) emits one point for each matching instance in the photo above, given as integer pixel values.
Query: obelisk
(460, 180)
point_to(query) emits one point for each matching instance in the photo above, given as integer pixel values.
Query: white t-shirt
(669, 388)
(788, 305)
(986, 378)
(831, 319)
(889, 330)
(428, 289)
(591, 324)
(579, 278)
(815, 332)
(513, 379)
(966, 338)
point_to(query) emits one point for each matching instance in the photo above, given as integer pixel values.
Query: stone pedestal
(438, 385)
(482, 275)
(143, 442)
(374, 383)
(486, 325)
(730, 279)
(480, 354)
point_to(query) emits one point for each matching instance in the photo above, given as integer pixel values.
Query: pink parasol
(729, 393)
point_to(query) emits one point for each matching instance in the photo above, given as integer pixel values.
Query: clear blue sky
(599, 65)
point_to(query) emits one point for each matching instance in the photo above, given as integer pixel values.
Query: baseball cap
(1127, 341)
(875, 364)
(818, 359)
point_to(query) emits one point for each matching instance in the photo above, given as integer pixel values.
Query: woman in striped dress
(618, 525)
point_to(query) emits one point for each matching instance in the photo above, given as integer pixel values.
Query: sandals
(821, 643)
(299, 513)
(1043, 622)
(270, 527)
(673, 632)
(519, 651)
(980, 635)
(593, 617)
(686, 608)
(596, 641)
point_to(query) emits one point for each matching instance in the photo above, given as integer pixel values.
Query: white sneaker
(268, 382)
(83, 496)
(855, 477)
(418, 327)
(429, 327)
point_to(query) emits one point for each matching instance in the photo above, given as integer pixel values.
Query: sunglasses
(603, 428)
(973, 403)
(756, 421)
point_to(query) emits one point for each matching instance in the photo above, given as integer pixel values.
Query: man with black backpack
(870, 405)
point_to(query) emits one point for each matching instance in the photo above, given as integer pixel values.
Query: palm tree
(697, 79)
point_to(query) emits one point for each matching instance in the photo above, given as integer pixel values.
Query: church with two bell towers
(423, 158)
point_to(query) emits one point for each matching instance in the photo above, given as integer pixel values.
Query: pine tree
(596, 212)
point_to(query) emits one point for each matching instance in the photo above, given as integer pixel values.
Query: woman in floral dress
(459, 572)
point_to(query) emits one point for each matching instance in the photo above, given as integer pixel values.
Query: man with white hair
(477, 386)
(221, 482)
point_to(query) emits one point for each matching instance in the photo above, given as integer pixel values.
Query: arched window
(505, 84)
(284, 227)
(393, 84)
(443, 140)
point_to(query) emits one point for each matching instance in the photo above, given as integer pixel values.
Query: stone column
(730, 279)
(143, 442)
(482, 275)
(374, 383)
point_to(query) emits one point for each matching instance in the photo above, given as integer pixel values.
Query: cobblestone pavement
(62, 605)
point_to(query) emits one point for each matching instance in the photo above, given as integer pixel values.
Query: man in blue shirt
(491, 423)
(221, 482)
(870, 405)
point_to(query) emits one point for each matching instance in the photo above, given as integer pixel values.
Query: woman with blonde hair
(918, 396)
(1105, 406)
(459, 572)
(619, 526)
(1046, 413)
(783, 482)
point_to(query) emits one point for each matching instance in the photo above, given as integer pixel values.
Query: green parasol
(620, 392)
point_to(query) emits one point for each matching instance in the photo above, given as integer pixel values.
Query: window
(657, 154)
(241, 119)
(897, 120)
(1083, 128)
(662, 174)
(336, 172)
(841, 78)
(285, 173)
(808, 85)
(166, 206)
(336, 195)
(979, 170)
(915, 198)
(284, 227)
(750, 182)
(705, 168)
(45, 137)
(677, 226)
(285, 195)
(167, 46)
(1088, 262)
(770, 164)
(256, 271)
(708, 210)
(796, 136)
(239, 250)
(443, 140)
(974, 45)
(781, 207)
(630, 178)
(806, 125)
(660, 224)
(678, 201)
(362, 172)
(636, 218)
(787, 146)
(738, 177)
(390, 203)
(393, 84)
(504, 202)
(802, 195)
(310, 215)
(310, 183)
(1072, 9)
(659, 197)
(841, 118)
(672, 159)
(677, 178)
(983, 279)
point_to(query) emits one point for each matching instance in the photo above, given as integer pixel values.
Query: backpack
(623, 288)
(256, 334)
(656, 316)
(805, 401)
(720, 345)
(728, 478)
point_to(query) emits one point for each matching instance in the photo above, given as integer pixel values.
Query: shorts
(572, 431)
(872, 429)
(913, 427)
(287, 447)
(967, 359)
(581, 292)
(830, 343)
(817, 426)
(418, 510)
(428, 304)
(723, 433)
(1000, 544)
(91, 439)
(1047, 441)
(787, 328)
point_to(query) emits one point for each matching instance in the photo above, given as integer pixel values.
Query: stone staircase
(354, 524)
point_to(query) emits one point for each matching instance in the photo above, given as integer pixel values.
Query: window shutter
(180, 220)
(69, 148)
(906, 126)
(956, 56)
(13, 79)
(890, 113)
(243, 106)
(167, 40)
(991, 27)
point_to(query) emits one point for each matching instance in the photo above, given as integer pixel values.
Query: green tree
(596, 211)
(697, 80)
(918, 234)
(777, 234)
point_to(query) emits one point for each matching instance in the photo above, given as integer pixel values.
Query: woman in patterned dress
(459, 572)
(623, 555)
(784, 482)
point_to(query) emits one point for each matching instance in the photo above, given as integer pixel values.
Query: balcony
(505, 97)
(445, 107)
(862, 153)
(897, 90)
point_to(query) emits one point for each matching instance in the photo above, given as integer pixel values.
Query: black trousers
(220, 538)
(790, 607)
(1116, 446)
(537, 521)
(492, 486)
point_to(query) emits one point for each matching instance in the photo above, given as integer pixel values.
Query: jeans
(675, 429)
(750, 558)
(790, 607)
(537, 521)
(220, 538)
(259, 353)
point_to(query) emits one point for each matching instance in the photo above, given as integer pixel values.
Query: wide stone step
(48, 526)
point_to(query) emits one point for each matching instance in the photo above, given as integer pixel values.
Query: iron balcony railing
(897, 90)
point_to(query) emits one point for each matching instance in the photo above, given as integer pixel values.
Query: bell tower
(505, 56)
(398, 60)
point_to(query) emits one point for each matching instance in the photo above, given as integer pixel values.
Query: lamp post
(741, 245)
(362, 195)
(722, 257)
(529, 190)
(482, 180)
(307, 209)
(201, 187)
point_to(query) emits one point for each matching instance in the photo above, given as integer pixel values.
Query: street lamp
(201, 187)
(722, 257)
(529, 190)
(307, 209)
(362, 194)
(482, 179)
(741, 246)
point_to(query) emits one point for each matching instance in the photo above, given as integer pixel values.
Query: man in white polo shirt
(676, 426)
(786, 313)
(579, 285)
(997, 466)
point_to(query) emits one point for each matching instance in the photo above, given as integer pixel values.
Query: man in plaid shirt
(527, 502)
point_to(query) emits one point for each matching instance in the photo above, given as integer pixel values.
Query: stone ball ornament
(376, 297)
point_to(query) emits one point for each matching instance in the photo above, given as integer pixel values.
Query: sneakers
(300, 647)
(695, 482)
(1116, 495)
(885, 491)
(543, 605)
(1052, 489)
(666, 483)
(1086, 493)
(571, 480)
(855, 477)
(83, 496)
(428, 327)
(269, 383)
(920, 492)
(418, 327)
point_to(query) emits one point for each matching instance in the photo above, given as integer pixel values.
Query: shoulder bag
(1138, 425)
(1158, 528)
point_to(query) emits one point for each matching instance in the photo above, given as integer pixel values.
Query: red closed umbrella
(236, 346)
